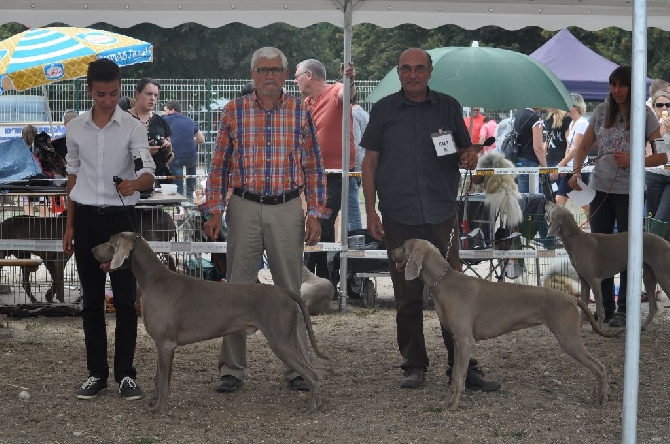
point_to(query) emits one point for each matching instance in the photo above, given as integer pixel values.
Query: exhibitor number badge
(444, 143)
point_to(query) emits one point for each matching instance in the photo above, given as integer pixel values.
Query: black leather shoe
(474, 380)
(229, 384)
(413, 378)
(298, 384)
(608, 316)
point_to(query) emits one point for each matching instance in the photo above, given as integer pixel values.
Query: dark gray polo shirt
(414, 185)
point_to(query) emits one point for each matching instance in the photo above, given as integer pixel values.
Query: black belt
(104, 210)
(267, 200)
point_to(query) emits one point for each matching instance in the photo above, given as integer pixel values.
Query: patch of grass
(521, 434)
(365, 312)
(33, 325)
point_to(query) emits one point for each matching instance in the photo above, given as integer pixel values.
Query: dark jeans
(409, 294)
(318, 262)
(177, 167)
(606, 210)
(90, 230)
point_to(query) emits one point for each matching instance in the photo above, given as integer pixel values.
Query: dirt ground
(546, 396)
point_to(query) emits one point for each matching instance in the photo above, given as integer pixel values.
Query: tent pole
(635, 211)
(346, 130)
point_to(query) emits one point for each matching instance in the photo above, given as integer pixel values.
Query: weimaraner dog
(317, 292)
(599, 256)
(474, 309)
(179, 309)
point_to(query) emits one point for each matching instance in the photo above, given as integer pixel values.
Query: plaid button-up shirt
(267, 152)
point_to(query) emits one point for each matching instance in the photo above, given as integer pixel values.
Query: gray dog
(600, 256)
(474, 309)
(179, 309)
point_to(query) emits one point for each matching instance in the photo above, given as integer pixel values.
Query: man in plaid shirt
(267, 152)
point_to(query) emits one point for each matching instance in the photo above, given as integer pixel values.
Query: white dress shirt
(95, 155)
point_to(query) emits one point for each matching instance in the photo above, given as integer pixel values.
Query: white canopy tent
(633, 15)
(469, 14)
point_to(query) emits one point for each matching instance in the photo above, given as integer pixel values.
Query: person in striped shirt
(267, 152)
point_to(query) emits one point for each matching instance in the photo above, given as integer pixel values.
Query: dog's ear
(414, 264)
(122, 245)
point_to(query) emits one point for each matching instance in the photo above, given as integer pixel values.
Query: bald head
(415, 52)
(414, 70)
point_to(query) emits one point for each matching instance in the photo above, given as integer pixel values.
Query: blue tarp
(580, 69)
(16, 161)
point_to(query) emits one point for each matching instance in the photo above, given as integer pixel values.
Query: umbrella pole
(45, 93)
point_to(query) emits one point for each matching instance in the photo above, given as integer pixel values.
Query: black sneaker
(298, 384)
(129, 390)
(229, 384)
(91, 388)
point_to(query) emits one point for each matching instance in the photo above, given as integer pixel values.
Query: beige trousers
(253, 228)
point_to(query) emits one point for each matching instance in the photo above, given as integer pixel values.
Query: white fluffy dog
(561, 275)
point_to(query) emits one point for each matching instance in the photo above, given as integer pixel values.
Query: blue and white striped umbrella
(45, 55)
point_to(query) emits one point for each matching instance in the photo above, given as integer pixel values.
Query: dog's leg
(650, 280)
(283, 341)
(585, 293)
(25, 276)
(462, 352)
(163, 375)
(596, 288)
(56, 270)
(568, 334)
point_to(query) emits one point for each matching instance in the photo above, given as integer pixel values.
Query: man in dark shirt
(414, 143)
(185, 134)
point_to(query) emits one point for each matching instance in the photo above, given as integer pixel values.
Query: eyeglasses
(295, 77)
(661, 105)
(265, 70)
(407, 69)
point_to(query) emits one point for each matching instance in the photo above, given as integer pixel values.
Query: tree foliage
(195, 51)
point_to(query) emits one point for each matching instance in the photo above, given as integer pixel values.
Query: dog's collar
(440, 278)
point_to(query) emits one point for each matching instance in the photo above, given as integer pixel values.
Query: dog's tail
(594, 324)
(308, 322)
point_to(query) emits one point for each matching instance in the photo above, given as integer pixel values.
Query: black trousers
(318, 262)
(606, 210)
(409, 294)
(90, 230)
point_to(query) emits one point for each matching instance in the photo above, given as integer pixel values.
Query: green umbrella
(492, 78)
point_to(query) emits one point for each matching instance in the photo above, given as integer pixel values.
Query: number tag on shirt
(444, 143)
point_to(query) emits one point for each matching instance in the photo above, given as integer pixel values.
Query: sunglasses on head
(661, 105)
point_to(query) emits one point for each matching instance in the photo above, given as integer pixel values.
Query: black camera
(156, 140)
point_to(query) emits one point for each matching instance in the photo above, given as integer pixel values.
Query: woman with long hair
(158, 130)
(609, 131)
(556, 127)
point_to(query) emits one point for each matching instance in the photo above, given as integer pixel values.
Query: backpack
(510, 143)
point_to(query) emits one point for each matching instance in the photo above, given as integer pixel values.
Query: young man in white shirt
(104, 144)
